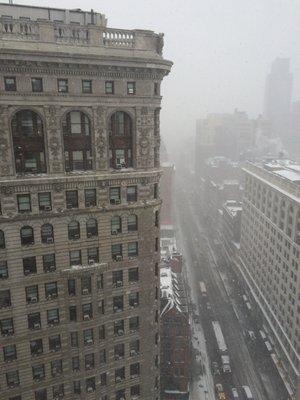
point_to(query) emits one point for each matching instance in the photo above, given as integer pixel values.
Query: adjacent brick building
(79, 223)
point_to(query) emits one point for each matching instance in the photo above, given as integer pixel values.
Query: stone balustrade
(86, 35)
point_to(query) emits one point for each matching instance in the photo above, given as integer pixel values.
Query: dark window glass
(72, 287)
(6, 327)
(109, 87)
(90, 197)
(24, 202)
(73, 313)
(117, 278)
(131, 193)
(10, 352)
(47, 235)
(26, 234)
(10, 84)
(130, 87)
(77, 387)
(62, 85)
(73, 230)
(133, 249)
(93, 255)
(116, 225)
(54, 343)
(36, 347)
(118, 303)
(75, 363)
(49, 264)
(88, 337)
(53, 317)
(45, 201)
(12, 378)
(120, 140)
(115, 195)
(5, 300)
(91, 228)
(37, 84)
(51, 290)
(132, 223)
(75, 257)
(74, 339)
(156, 88)
(86, 86)
(133, 275)
(72, 199)
(32, 294)
(116, 252)
(3, 270)
(38, 372)
(29, 265)
(41, 394)
(2, 240)
(34, 320)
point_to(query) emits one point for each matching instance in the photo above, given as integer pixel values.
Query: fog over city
(222, 51)
(150, 200)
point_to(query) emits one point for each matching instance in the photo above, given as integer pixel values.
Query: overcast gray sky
(221, 49)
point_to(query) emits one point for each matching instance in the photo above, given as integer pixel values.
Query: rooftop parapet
(71, 27)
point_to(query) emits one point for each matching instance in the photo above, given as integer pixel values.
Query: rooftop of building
(172, 289)
(76, 33)
(282, 174)
(233, 207)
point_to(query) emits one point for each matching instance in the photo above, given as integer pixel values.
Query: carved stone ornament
(7, 190)
(58, 187)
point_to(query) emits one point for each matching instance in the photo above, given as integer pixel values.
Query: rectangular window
(155, 190)
(24, 202)
(101, 332)
(90, 197)
(3, 270)
(117, 278)
(10, 83)
(133, 249)
(133, 299)
(131, 193)
(116, 252)
(93, 255)
(118, 303)
(88, 337)
(73, 313)
(56, 367)
(74, 339)
(51, 290)
(32, 294)
(75, 257)
(29, 265)
(119, 327)
(89, 361)
(49, 264)
(75, 363)
(130, 87)
(10, 352)
(115, 195)
(62, 85)
(36, 347)
(72, 287)
(134, 324)
(5, 300)
(102, 356)
(87, 311)
(54, 343)
(77, 387)
(38, 371)
(109, 87)
(86, 86)
(156, 88)
(53, 316)
(72, 199)
(133, 275)
(45, 201)
(7, 327)
(12, 378)
(34, 321)
(37, 84)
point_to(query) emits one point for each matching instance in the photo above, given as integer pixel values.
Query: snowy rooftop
(286, 169)
(233, 207)
(172, 290)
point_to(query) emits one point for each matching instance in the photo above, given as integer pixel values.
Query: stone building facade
(79, 223)
(270, 248)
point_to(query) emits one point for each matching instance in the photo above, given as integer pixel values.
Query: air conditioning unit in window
(134, 376)
(114, 232)
(88, 204)
(76, 236)
(119, 258)
(86, 317)
(51, 268)
(90, 389)
(85, 291)
(69, 205)
(133, 353)
(132, 258)
(3, 275)
(36, 325)
(88, 366)
(89, 234)
(122, 398)
(118, 379)
(112, 201)
(91, 262)
(33, 299)
(135, 397)
(119, 283)
(27, 271)
(50, 240)
(89, 341)
(117, 201)
(120, 332)
(47, 208)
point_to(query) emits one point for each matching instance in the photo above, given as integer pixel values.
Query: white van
(268, 346)
(247, 393)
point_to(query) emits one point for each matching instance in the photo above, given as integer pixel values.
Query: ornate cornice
(73, 69)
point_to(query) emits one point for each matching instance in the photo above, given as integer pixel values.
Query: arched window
(2, 240)
(120, 140)
(74, 230)
(47, 235)
(26, 235)
(28, 141)
(77, 141)
(91, 228)
(132, 223)
(116, 225)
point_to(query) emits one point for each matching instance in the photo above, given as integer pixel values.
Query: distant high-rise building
(80, 204)
(278, 93)
(270, 252)
(228, 135)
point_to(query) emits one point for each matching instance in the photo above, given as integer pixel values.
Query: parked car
(234, 393)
